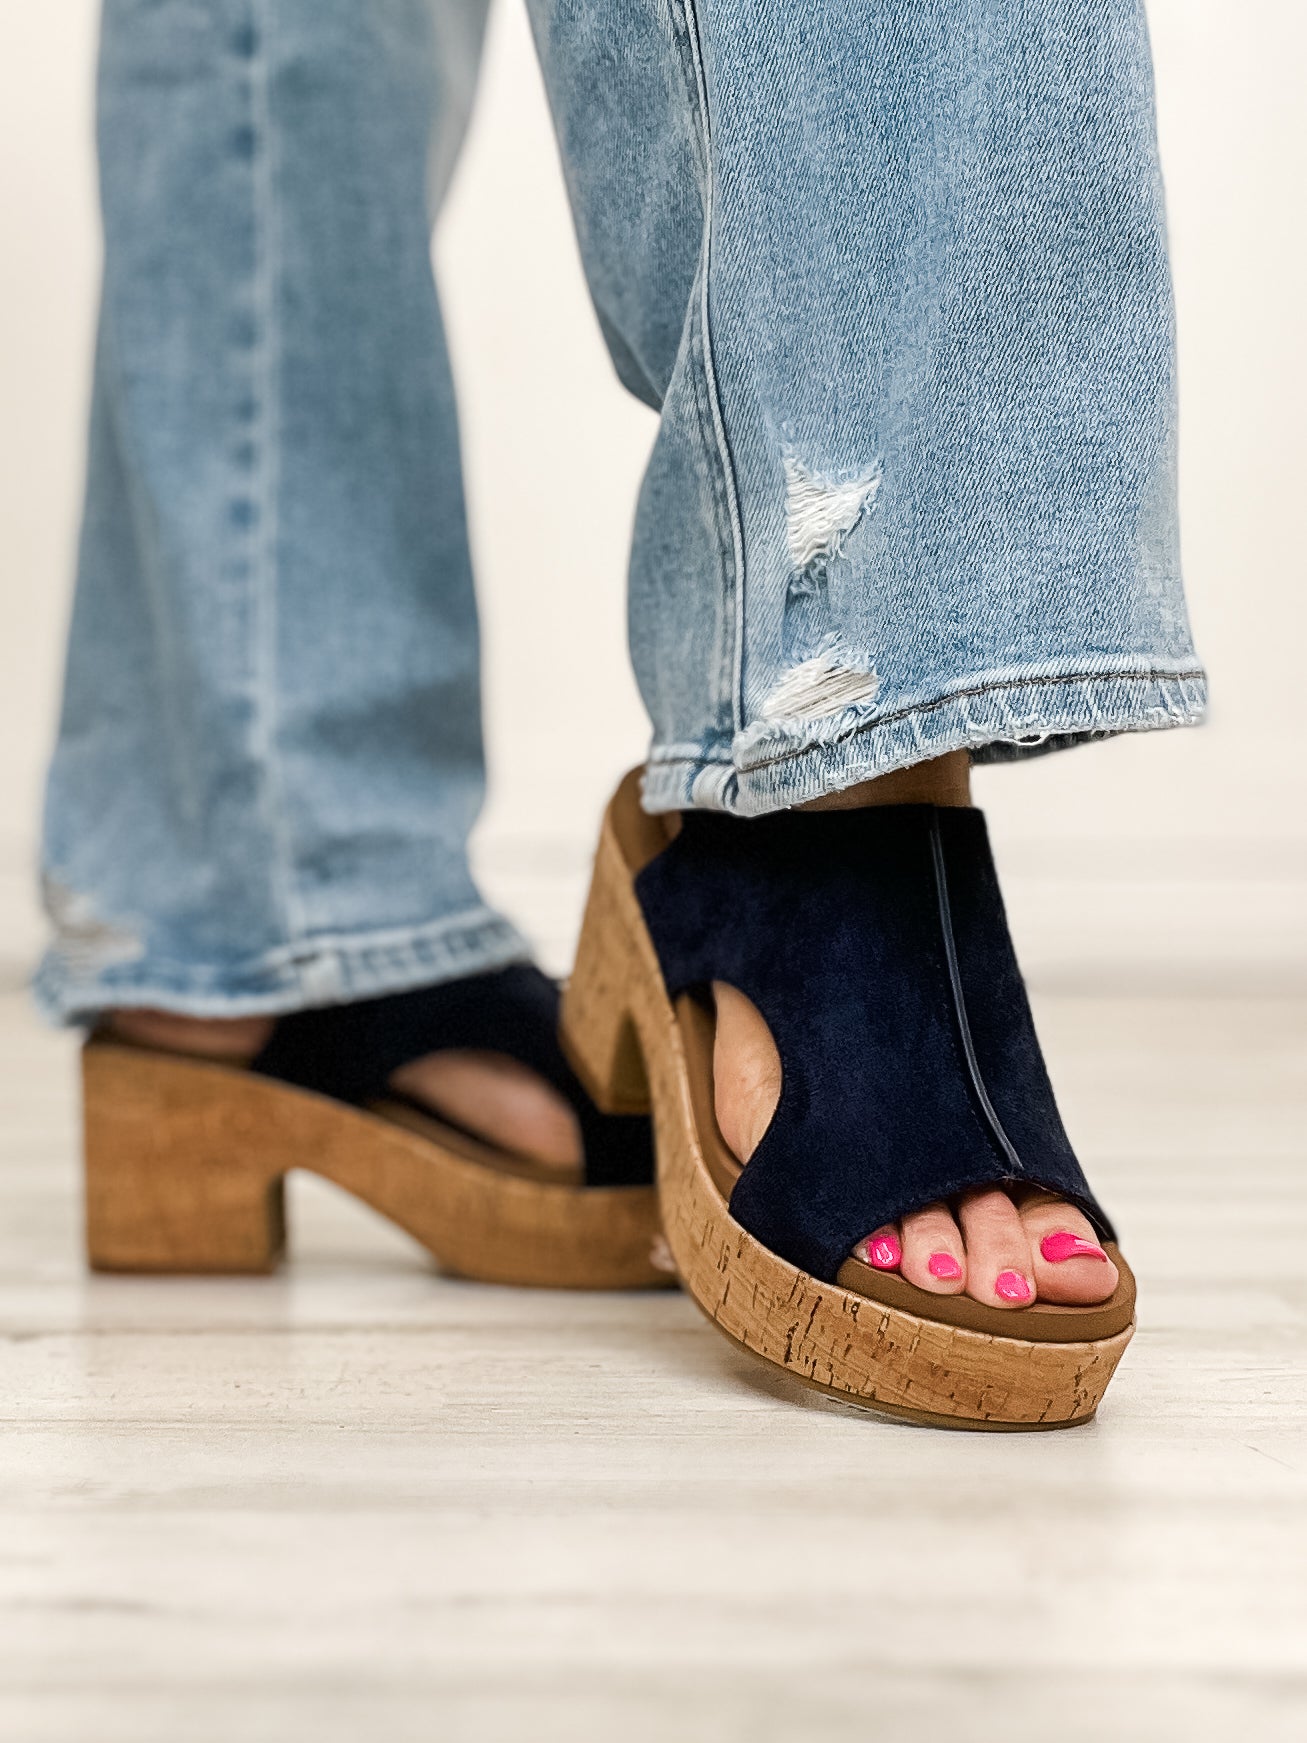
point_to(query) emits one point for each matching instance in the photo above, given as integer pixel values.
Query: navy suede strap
(875, 944)
(350, 1052)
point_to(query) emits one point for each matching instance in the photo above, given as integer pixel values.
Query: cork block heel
(599, 1029)
(185, 1163)
(866, 1339)
(183, 1171)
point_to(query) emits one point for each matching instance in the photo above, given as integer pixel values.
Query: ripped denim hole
(822, 673)
(86, 942)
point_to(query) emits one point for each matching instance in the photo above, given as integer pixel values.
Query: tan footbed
(870, 1337)
(185, 1162)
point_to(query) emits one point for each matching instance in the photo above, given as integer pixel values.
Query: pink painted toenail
(884, 1253)
(944, 1266)
(1012, 1286)
(1064, 1245)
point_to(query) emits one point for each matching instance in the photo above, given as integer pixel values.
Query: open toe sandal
(185, 1158)
(875, 945)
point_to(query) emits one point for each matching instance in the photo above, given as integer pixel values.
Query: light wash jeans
(892, 271)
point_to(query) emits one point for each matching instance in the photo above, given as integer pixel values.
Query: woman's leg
(895, 277)
(270, 751)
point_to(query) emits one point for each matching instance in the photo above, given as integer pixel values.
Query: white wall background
(1177, 859)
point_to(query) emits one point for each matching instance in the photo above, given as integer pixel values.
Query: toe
(999, 1268)
(1069, 1264)
(934, 1256)
(882, 1250)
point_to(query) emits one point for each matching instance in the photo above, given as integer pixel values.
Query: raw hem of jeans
(999, 722)
(341, 969)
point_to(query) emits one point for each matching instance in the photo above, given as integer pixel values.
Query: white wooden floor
(358, 1501)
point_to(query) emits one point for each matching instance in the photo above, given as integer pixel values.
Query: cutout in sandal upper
(351, 1051)
(875, 945)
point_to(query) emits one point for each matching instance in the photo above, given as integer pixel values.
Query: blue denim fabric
(897, 280)
(894, 275)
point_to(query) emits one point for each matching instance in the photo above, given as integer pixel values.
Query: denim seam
(725, 456)
(681, 34)
(457, 947)
(265, 628)
(669, 759)
(388, 938)
(1148, 677)
(696, 372)
(720, 506)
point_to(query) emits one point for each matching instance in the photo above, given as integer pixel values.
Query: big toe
(1069, 1264)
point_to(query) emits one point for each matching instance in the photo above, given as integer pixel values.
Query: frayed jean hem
(785, 763)
(70, 989)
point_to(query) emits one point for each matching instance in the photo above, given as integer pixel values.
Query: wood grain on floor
(356, 1499)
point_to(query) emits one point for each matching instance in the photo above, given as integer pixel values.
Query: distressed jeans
(893, 274)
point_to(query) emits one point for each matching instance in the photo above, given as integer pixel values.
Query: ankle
(230, 1039)
(943, 780)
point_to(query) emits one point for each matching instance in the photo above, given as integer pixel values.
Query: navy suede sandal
(875, 945)
(186, 1158)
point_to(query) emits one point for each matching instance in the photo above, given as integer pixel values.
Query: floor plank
(357, 1498)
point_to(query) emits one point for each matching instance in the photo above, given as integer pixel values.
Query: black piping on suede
(350, 1052)
(876, 947)
(960, 999)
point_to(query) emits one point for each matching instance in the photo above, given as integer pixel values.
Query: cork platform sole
(185, 1164)
(882, 1344)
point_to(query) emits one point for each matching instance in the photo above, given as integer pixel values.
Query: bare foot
(498, 1098)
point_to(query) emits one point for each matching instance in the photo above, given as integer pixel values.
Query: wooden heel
(179, 1176)
(185, 1161)
(598, 1030)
